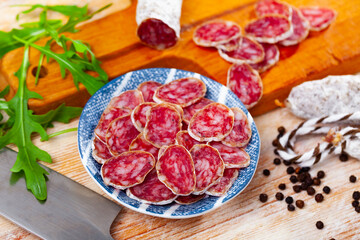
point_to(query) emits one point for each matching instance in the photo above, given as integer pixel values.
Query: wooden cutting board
(335, 50)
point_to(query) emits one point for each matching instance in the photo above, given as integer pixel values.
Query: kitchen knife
(71, 210)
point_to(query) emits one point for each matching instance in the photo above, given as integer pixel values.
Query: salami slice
(233, 157)
(138, 116)
(241, 133)
(212, 123)
(266, 7)
(148, 89)
(209, 166)
(189, 111)
(183, 92)
(225, 183)
(175, 169)
(141, 144)
(159, 22)
(100, 152)
(246, 83)
(127, 169)
(214, 33)
(301, 29)
(151, 191)
(107, 117)
(163, 123)
(249, 51)
(272, 55)
(184, 139)
(319, 18)
(129, 99)
(230, 45)
(120, 134)
(186, 200)
(269, 29)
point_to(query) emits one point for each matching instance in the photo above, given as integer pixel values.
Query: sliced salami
(186, 200)
(269, 29)
(246, 83)
(163, 123)
(189, 111)
(128, 99)
(209, 166)
(272, 55)
(225, 183)
(233, 157)
(230, 45)
(184, 139)
(266, 7)
(127, 169)
(151, 191)
(175, 169)
(100, 152)
(138, 115)
(249, 51)
(148, 89)
(158, 22)
(120, 134)
(319, 18)
(183, 92)
(107, 117)
(212, 123)
(214, 33)
(241, 133)
(301, 29)
(141, 144)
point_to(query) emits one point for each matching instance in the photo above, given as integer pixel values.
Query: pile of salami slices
(167, 142)
(256, 51)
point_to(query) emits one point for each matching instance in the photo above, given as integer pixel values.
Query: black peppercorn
(297, 188)
(310, 191)
(282, 186)
(309, 181)
(321, 174)
(355, 203)
(287, 163)
(263, 197)
(266, 172)
(300, 203)
(343, 157)
(302, 177)
(352, 178)
(291, 207)
(290, 170)
(319, 225)
(277, 161)
(293, 179)
(275, 142)
(304, 186)
(326, 190)
(356, 195)
(357, 209)
(289, 200)
(276, 152)
(279, 196)
(319, 197)
(316, 181)
(305, 169)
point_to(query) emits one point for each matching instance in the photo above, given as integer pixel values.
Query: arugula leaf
(20, 134)
(67, 10)
(5, 91)
(61, 114)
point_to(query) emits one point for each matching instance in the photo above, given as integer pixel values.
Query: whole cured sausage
(158, 22)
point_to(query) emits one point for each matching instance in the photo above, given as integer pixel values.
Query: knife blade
(71, 210)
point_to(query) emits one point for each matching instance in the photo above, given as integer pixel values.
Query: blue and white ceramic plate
(215, 91)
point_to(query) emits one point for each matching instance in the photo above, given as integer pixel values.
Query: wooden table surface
(245, 217)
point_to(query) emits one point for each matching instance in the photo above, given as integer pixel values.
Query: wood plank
(242, 218)
(333, 51)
